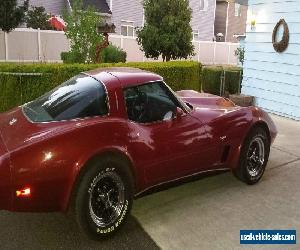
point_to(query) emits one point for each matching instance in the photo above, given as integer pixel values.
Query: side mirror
(179, 113)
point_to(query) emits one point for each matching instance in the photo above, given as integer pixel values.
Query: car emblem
(13, 121)
(223, 138)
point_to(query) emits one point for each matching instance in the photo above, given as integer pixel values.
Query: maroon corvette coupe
(103, 137)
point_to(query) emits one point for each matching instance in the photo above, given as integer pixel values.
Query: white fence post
(229, 51)
(122, 41)
(6, 46)
(215, 47)
(199, 51)
(39, 45)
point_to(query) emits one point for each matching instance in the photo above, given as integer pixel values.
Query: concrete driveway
(205, 214)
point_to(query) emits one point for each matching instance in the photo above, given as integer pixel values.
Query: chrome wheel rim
(106, 199)
(256, 157)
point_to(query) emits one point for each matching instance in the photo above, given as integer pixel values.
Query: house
(55, 7)
(273, 77)
(129, 14)
(209, 17)
(230, 21)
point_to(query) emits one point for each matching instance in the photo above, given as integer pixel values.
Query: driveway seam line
(287, 152)
(287, 163)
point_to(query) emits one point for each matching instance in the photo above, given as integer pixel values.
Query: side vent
(225, 153)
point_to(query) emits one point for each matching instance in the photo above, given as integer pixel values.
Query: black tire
(253, 157)
(104, 197)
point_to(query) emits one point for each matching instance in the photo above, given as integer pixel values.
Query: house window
(203, 5)
(196, 35)
(237, 9)
(127, 28)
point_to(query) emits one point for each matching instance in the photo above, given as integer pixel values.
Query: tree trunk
(166, 58)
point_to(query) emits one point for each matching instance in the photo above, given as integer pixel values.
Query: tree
(37, 18)
(11, 15)
(240, 53)
(82, 31)
(167, 29)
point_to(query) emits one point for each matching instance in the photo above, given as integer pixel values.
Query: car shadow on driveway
(209, 213)
(57, 231)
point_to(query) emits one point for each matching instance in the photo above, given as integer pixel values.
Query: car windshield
(80, 97)
(188, 107)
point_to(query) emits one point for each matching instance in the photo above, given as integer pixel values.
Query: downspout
(143, 22)
(215, 9)
(69, 4)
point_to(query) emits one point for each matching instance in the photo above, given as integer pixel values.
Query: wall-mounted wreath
(284, 43)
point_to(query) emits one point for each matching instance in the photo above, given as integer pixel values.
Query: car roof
(127, 77)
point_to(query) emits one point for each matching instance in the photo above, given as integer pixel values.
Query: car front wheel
(104, 198)
(253, 157)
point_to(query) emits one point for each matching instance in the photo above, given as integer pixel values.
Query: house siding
(221, 17)
(54, 7)
(273, 78)
(127, 10)
(132, 10)
(232, 25)
(203, 21)
(236, 24)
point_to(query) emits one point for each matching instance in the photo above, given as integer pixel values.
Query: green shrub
(113, 54)
(211, 79)
(71, 57)
(18, 89)
(233, 80)
(240, 53)
(177, 74)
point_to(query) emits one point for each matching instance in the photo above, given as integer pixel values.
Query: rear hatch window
(80, 97)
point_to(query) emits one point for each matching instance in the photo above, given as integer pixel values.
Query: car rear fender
(81, 167)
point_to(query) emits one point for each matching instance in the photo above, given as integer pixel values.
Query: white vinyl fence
(29, 45)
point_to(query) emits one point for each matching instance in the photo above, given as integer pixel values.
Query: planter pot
(242, 100)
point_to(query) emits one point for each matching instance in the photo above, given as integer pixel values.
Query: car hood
(205, 100)
(208, 107)
(17, 131)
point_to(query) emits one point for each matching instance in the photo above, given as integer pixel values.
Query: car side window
(151, 102)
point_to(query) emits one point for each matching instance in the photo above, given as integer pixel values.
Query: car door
(166, 139)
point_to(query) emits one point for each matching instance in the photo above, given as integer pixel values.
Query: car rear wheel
(254, 156)
(104, 198)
